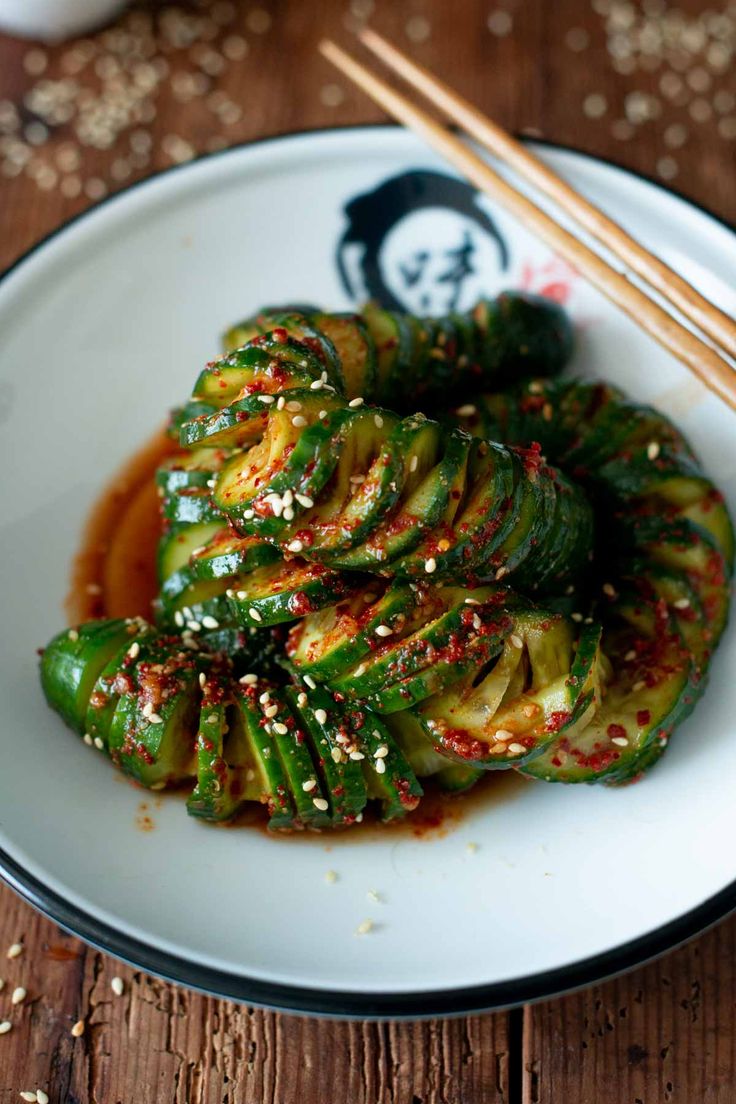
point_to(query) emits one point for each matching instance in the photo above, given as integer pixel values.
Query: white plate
(103, 328)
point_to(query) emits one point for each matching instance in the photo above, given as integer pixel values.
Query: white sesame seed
(280, 728)
(477, 623)
(42, 1097)
(202, 679)
(381, 752)
(383, 630)
(378, 421)
(87, 739)
(301, 699)
(253, 612)
(516, 749)
(78, 1029)
(504, 734)
(280, 402)
(430, 565)
(249, 514)
(471, 848)
(681, 603)
(19, 995)
(321, 803)
(356, 402)
(360, 670)
(241, 595)
(295, 546)
(293, 406)
(374, 896)
(331, 877)
(380, 766)
(194, 626)
(309, 681)
(576, 617)
(99, 743)
(134, 650)
(516, 641)
(320, 716)
(467, 411)
(299, 420)
(209, 622)
(178, 619)
(638, 686)
(154, 718)
(147, 709)
(310, 785)
(29, 1096)
(288, 513)
(249, 680)
(609, 590)
(622, 741)
(5, 1027)
(364, 927)
(267, 399)
(322, 414)
(118, 987)
(304, 500)
(212, 719)
(336, 755)
(73, 635)
(471, 601)
(356, 756)
(501, 572)
(271, 711)
(316, 385)
(630, 655)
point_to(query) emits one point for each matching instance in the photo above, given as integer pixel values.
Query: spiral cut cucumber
(334, 620)
(357, 488)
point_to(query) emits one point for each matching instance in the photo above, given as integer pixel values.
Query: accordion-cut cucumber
(389, 540)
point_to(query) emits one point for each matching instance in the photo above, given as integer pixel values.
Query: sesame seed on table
(647, 84)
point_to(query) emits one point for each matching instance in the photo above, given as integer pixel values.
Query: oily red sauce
(114, 575)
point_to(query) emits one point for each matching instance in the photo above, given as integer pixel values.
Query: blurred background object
(648, 84)
(52, 20)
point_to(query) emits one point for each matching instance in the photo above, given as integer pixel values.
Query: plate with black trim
(536, 888)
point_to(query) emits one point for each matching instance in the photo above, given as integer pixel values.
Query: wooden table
(564, 70)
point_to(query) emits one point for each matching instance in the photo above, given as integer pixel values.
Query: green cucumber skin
(74, 659)
(600, 438)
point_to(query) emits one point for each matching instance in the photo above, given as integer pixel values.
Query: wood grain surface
(576, 73)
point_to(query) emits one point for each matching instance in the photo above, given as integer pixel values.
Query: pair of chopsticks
(705, 361)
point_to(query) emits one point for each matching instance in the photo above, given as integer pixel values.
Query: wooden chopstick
(714, 322)
(715, 372)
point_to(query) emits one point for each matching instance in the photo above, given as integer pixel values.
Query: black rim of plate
(340, 1003)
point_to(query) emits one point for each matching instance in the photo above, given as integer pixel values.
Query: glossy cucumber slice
(513, 711)
(72, 662)
(455, 637)
(153, 729)
(226, 774)
(341, 777)
(286, 591)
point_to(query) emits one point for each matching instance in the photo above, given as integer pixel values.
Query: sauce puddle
(114, 575)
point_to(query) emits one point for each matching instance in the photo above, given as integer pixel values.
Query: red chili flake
(557, 720)
(616, 731)
(643, 717)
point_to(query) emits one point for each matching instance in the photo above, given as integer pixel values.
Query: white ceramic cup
(53, 20)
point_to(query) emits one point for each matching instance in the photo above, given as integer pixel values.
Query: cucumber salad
(395, 548)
